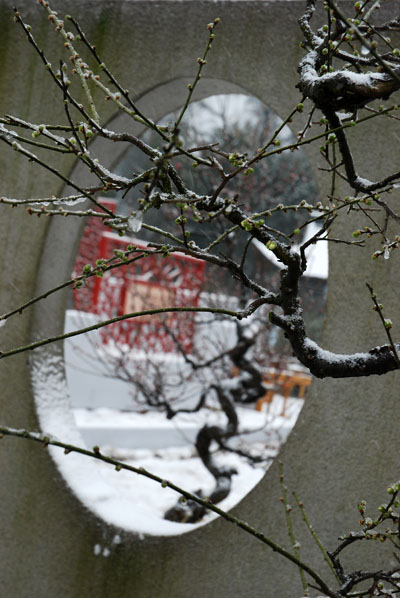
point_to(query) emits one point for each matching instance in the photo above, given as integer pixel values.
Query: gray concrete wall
(343, 446)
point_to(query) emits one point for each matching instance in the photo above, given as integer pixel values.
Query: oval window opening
(197, 398)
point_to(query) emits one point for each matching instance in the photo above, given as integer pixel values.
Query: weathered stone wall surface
(343, 446)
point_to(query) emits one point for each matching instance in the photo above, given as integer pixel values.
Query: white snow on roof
(316, 254)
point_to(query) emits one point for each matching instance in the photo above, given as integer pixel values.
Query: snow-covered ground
(179, 464)
(104, 413)
(152, 430)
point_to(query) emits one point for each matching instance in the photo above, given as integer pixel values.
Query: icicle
(135, 221)
(69, 202)
(386, 253)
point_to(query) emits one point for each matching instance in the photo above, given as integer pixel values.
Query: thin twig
(387, 324)
(96, 454)
(316, 537)
(295, 544)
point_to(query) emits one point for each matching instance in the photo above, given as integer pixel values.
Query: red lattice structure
(151, 282)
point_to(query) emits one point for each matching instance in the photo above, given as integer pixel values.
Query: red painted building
(150, 282)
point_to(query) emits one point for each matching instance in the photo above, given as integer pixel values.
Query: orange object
(284, 383)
